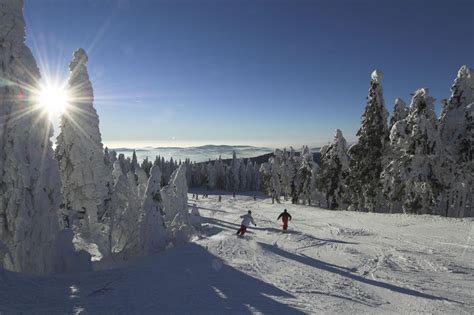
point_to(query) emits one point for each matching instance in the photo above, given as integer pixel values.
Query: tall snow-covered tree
(235, 171)
(124, 227)
(411, 178)
(331, 175)
(288, 173)
(257, 178)
(243, 176)
(30, 240)
(452, 119)
(366, 155)
(212, 175)
(304, 176)
(220, 173)
(152, 225)
(86, 179)
(457, 169)
(175, 205)
(134, 161)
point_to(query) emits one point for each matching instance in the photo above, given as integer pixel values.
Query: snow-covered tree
(175, 205)
(243, 176)
(86, 179)
(452, 119)
(212, 175)
(220, 173)
(411, 178)
(152, 225)
(175, 194)
(235, 172)
(400, 111)
(333, 170)
(30, 240)
(146, 165)
(257, 178)
(366, 155)
(457, 166)
(124, 227)
(288, 173)
(134, 161)
(142, 181)
(304, 176)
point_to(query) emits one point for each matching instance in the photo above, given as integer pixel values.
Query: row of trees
(416, 163)
(233, 176)
(290, 175)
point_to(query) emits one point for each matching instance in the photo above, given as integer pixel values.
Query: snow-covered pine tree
(220, 173)
(390, 184)
(134, 161)
(457, 167)
(411, 178)
(242, 176)
(175, 205)
(294, 185)
(212, 175)
(288, 174)
(204, 175)
(452, 119)
(305, 176)
(400, 111)
(29, 175)
(257, 178)
(265, 171)
(142, 181)
(152, 225)
(124, 228)
(86, 179)
(331, 175)
(249, 174)
(277, 174)
(366, 155)
(235, 169)
(275, 183)
(146, 166)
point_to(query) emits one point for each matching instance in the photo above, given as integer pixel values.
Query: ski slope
(329, 262)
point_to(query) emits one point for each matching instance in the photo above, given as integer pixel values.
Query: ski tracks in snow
(339, 261)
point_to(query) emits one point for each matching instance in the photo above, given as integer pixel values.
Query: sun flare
(53, 99)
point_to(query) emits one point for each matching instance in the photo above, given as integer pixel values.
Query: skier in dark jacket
(285, 216)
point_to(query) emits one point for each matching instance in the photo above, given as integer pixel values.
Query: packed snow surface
(328, 262)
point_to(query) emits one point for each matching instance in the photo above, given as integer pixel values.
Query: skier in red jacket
(284, 216)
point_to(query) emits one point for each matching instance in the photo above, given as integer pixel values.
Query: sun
(53, 99)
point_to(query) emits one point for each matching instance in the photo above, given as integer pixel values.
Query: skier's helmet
(284, 210)
(250, 212)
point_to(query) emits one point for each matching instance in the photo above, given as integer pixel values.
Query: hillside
(329, 262)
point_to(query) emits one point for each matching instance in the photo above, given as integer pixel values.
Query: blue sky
(272, 73)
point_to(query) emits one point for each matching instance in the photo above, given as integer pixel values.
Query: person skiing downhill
(247, 219)
(284, 216)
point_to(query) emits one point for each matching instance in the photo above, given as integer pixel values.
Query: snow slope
(329, 262)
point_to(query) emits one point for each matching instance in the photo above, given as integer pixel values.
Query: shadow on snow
(188, 279)
(345, 272)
